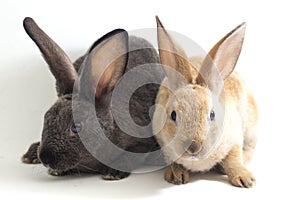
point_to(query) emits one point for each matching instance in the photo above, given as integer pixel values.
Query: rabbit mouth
(58, 160)
(193, 156)
(201, 154)
(61, 166)
(58, 163)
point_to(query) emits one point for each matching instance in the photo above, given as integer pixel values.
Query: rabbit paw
(30, 157)
(237, 173)
(176, 174)
(242, 178)
(112, 175)
(54, 172)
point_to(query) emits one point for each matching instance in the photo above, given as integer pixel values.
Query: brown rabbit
(211, 116)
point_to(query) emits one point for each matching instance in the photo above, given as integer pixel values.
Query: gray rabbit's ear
(104, 65)
(58, 61)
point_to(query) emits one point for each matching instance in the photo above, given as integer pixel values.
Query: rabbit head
(61, 147)
(191, 95)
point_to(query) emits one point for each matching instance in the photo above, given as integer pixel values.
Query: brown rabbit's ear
(105, 65)
(58, 61)
(222, 58)
(172, 57)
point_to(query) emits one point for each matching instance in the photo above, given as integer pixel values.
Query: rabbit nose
(47, 157)
(193, 147)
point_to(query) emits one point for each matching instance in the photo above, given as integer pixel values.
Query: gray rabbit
(61, 148)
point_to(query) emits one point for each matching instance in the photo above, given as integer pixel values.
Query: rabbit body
(61, 149)
(207, 124)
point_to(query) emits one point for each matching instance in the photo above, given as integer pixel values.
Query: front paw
(30, 157)
(242, 178)
(177, 174)
(112, 175)
(237, 173)
(54, 172)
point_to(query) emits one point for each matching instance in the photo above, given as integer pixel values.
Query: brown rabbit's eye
(212, 115)
(76, 128)
(173, 116)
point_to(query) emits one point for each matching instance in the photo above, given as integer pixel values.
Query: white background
(269, 62)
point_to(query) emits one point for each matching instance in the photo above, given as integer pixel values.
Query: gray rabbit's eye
(76, 128)
(212, 115)
(173, 116)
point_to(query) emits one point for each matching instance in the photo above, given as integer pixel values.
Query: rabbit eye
(212, 115)
(76, 128)
(173, 116)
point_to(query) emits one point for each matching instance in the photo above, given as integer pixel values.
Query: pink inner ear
(110, 76)
(104, 83)
(108, 62)
(227, 56)
(226, 52)
(101, 86)
(172, 55)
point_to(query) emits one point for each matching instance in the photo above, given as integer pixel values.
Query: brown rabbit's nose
(47, 157)
(193, 147)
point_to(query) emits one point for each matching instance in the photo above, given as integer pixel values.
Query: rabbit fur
(60, 149)
(189, 135)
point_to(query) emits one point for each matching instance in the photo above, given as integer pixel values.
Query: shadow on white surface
(34, 179)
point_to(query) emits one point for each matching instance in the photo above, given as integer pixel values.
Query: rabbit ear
(59, 63)
(172, 56)
(105, 65)
(222, 58)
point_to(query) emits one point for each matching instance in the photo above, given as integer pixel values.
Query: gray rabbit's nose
(47, 157)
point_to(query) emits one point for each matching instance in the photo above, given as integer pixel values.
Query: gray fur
(68, 151)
